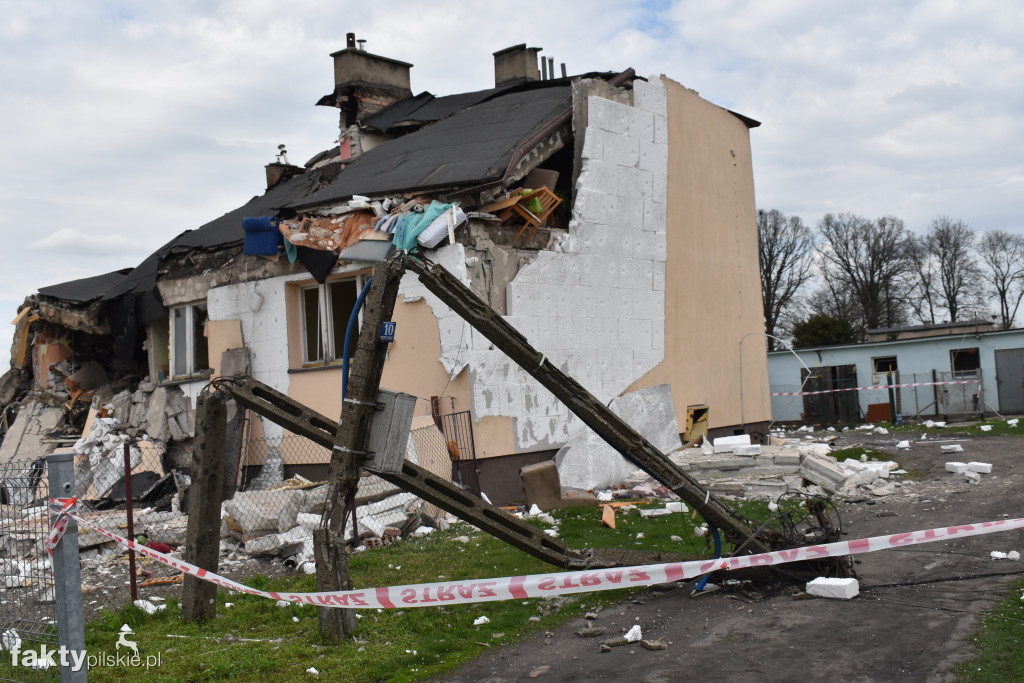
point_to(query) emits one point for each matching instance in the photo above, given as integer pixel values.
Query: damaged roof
(223, 230)
(426, 108)
(86, 289)
(473, 146)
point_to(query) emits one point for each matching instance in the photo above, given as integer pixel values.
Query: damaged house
(608, 217)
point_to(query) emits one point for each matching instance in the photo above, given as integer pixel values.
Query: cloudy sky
(126, 123)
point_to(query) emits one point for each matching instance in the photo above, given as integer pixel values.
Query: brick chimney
(365, 83)
(516, 64)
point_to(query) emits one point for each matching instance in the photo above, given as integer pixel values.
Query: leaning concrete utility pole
(350, 441)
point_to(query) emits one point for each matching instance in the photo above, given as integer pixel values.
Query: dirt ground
(906, 633)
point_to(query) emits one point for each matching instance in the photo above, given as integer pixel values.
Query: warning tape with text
(880, 386)
(541, 585)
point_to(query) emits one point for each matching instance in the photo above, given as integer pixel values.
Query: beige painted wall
(412, 367)
(713, 289)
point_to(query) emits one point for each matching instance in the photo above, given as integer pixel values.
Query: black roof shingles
(474, 145)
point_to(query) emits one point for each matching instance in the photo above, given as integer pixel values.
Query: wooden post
(133, 588)
(202, 538)
(357, 410)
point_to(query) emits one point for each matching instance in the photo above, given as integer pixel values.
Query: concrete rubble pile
(280, 522)
(735, 466)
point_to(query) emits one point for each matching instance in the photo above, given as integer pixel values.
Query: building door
(1010, 380)
(836, 406)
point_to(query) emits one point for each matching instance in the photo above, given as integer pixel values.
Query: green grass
(999, 656)
(856, 452)
(393, 645)
(999, 428)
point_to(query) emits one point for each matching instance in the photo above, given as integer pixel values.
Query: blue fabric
(415, 223)
(261, 235)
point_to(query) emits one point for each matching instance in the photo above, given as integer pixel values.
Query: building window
(190, 354)
(965, 362)
(326, 309)
(886, 364)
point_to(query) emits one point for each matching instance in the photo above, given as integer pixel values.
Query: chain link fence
(28, 613)
(273, 500)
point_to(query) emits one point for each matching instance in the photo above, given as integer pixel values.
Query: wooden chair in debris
(532, 207)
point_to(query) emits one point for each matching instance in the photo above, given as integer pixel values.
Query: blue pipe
(718, 553)
(348, 336)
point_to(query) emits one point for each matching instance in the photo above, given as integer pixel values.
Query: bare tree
(922, 299)
(870, 262)
(958, 289)
(1003, 253)
(785, 247)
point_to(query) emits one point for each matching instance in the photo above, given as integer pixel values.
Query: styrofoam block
(980, 467)
(652, 156)
(659, 186)
(972, 477)
(593, 147)
(658, 273)
(725, 444)
(655, 216)
(587, 462)
(616, 149)
(641, 124)
(956, 467)
(676, 506)
(590, 206)
(634, 335)
(600, 271)
(952, 448)
(650, 95)
(658, 334)
(661, 129)
(608, 115)
(645, 361)
(752, 449)
(827, 587)
(649, 304)
(649, 246)
(599, 175)
(625, 212)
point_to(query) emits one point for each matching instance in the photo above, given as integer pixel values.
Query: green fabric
(290, 251)
(532, 205)
(415, 223)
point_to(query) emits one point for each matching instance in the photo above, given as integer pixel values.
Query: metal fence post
(67, 570)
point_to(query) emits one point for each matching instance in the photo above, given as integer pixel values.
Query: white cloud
(128, 122)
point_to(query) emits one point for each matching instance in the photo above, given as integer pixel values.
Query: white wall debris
(588, 462)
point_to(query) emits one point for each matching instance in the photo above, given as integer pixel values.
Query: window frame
(968, 352)
(191, 336)
(327, 327)
(894, 365)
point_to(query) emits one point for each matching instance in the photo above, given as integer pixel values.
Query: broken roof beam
(299, 419)
(613, 429)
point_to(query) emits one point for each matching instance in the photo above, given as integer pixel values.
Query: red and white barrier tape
(557, 583)
(880, 386)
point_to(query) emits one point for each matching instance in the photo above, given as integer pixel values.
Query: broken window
(326, 309)
(885, 364)
(190, 353)
(965, 362)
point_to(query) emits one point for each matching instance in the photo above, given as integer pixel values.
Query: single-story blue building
(942, 371)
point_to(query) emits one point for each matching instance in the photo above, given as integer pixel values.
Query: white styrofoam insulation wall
(595, 304)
